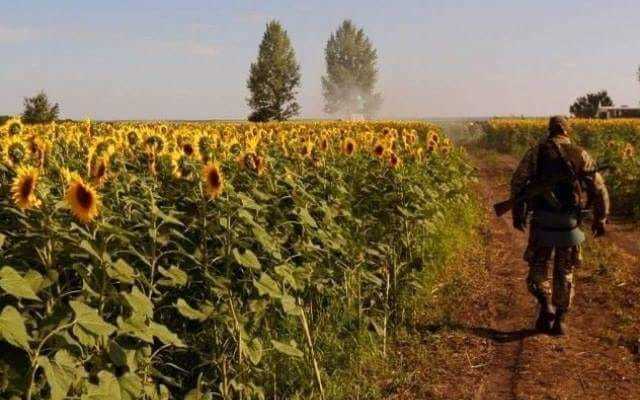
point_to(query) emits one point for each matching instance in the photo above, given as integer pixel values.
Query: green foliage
(587, 106)
(349, 84)
(38, 110)
(274, 77)
(171, 294)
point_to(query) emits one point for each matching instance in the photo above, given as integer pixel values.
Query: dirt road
(487, 349)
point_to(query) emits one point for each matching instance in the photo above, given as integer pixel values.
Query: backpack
(566, 196)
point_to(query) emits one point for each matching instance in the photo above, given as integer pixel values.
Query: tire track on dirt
(513, 308)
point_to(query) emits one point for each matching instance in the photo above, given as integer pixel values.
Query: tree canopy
(587, 106)
(351, 75)
(274, 77)
(38, 110)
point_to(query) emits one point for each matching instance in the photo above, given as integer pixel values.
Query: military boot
(559, 328)
(545, 316)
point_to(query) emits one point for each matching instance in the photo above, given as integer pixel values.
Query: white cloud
(15, 35)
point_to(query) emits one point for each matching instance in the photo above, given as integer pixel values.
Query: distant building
(618, 112)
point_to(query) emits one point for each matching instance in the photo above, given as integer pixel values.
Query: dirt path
(476, 341)
(596, 360)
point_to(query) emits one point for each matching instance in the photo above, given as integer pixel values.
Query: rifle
(533, 190)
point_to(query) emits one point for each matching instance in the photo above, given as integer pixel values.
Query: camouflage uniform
(539, 251)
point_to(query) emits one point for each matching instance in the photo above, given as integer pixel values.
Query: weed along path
(598, 359)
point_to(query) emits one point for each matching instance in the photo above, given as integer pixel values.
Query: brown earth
(482, 346)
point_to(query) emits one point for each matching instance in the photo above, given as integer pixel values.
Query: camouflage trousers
(558, 292)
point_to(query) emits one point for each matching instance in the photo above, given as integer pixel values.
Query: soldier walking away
(573, 184)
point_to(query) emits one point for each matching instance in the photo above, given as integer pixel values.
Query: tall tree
(349, 84)
(587, 106)
(37, 110)
(274, 77)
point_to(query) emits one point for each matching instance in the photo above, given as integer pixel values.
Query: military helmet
(558, 125)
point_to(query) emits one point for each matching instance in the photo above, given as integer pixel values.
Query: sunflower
(378, 149)
(99, 171)
(349, 146)
(628, 152)
(82, 199)
(306, 149)
(434, 137)
(394, 160)
(24, 187)
(13, 126)
(213, 179)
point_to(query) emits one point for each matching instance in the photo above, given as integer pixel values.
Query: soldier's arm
(596, 189)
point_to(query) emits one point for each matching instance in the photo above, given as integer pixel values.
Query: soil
(487, 349)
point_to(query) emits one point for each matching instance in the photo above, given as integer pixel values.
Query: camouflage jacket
(582, 163)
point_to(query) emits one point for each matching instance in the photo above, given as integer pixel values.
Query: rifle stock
(503, 207)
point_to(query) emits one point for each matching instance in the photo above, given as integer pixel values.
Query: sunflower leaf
(13, 329)
(14, 284)
(248, 259)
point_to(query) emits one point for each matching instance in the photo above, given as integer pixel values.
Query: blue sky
(190, 59)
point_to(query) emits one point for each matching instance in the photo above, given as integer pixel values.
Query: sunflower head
(432, 146)
(133, 138)
(13, 126)
(82, 199)
(349, 146)
(629, 151)
(99, 171)
(23, 189)
(394, 160)
(434, 137)
(378, 149)
(213, 180)
(16, 151)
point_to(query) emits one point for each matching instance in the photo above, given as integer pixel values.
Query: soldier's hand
(598, 228)
(520, 225)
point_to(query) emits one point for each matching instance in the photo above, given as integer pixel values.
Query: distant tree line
(587, 106)
(348, 86)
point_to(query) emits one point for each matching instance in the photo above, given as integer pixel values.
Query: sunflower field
(216, 260)
(612, 142)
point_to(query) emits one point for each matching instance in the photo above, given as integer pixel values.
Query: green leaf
(139, 302)
(60, 373)
(121, 271)
(89, 319)
(14, 284)
(13, 329)
(267, 286)
(2, 240)
(86, 246)
(196, 394)
(174, 277)
(290, 306)
(252, 349)
(108, 388)
(288, 349)
(136, 326)
(267, 242)
(165, 335)
(306, 218)
(85, 337)
(130, 387)
(248, 259)
(36, 281)
(166, 218)
(189, 312)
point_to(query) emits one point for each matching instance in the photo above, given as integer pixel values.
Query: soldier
(556, 216)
